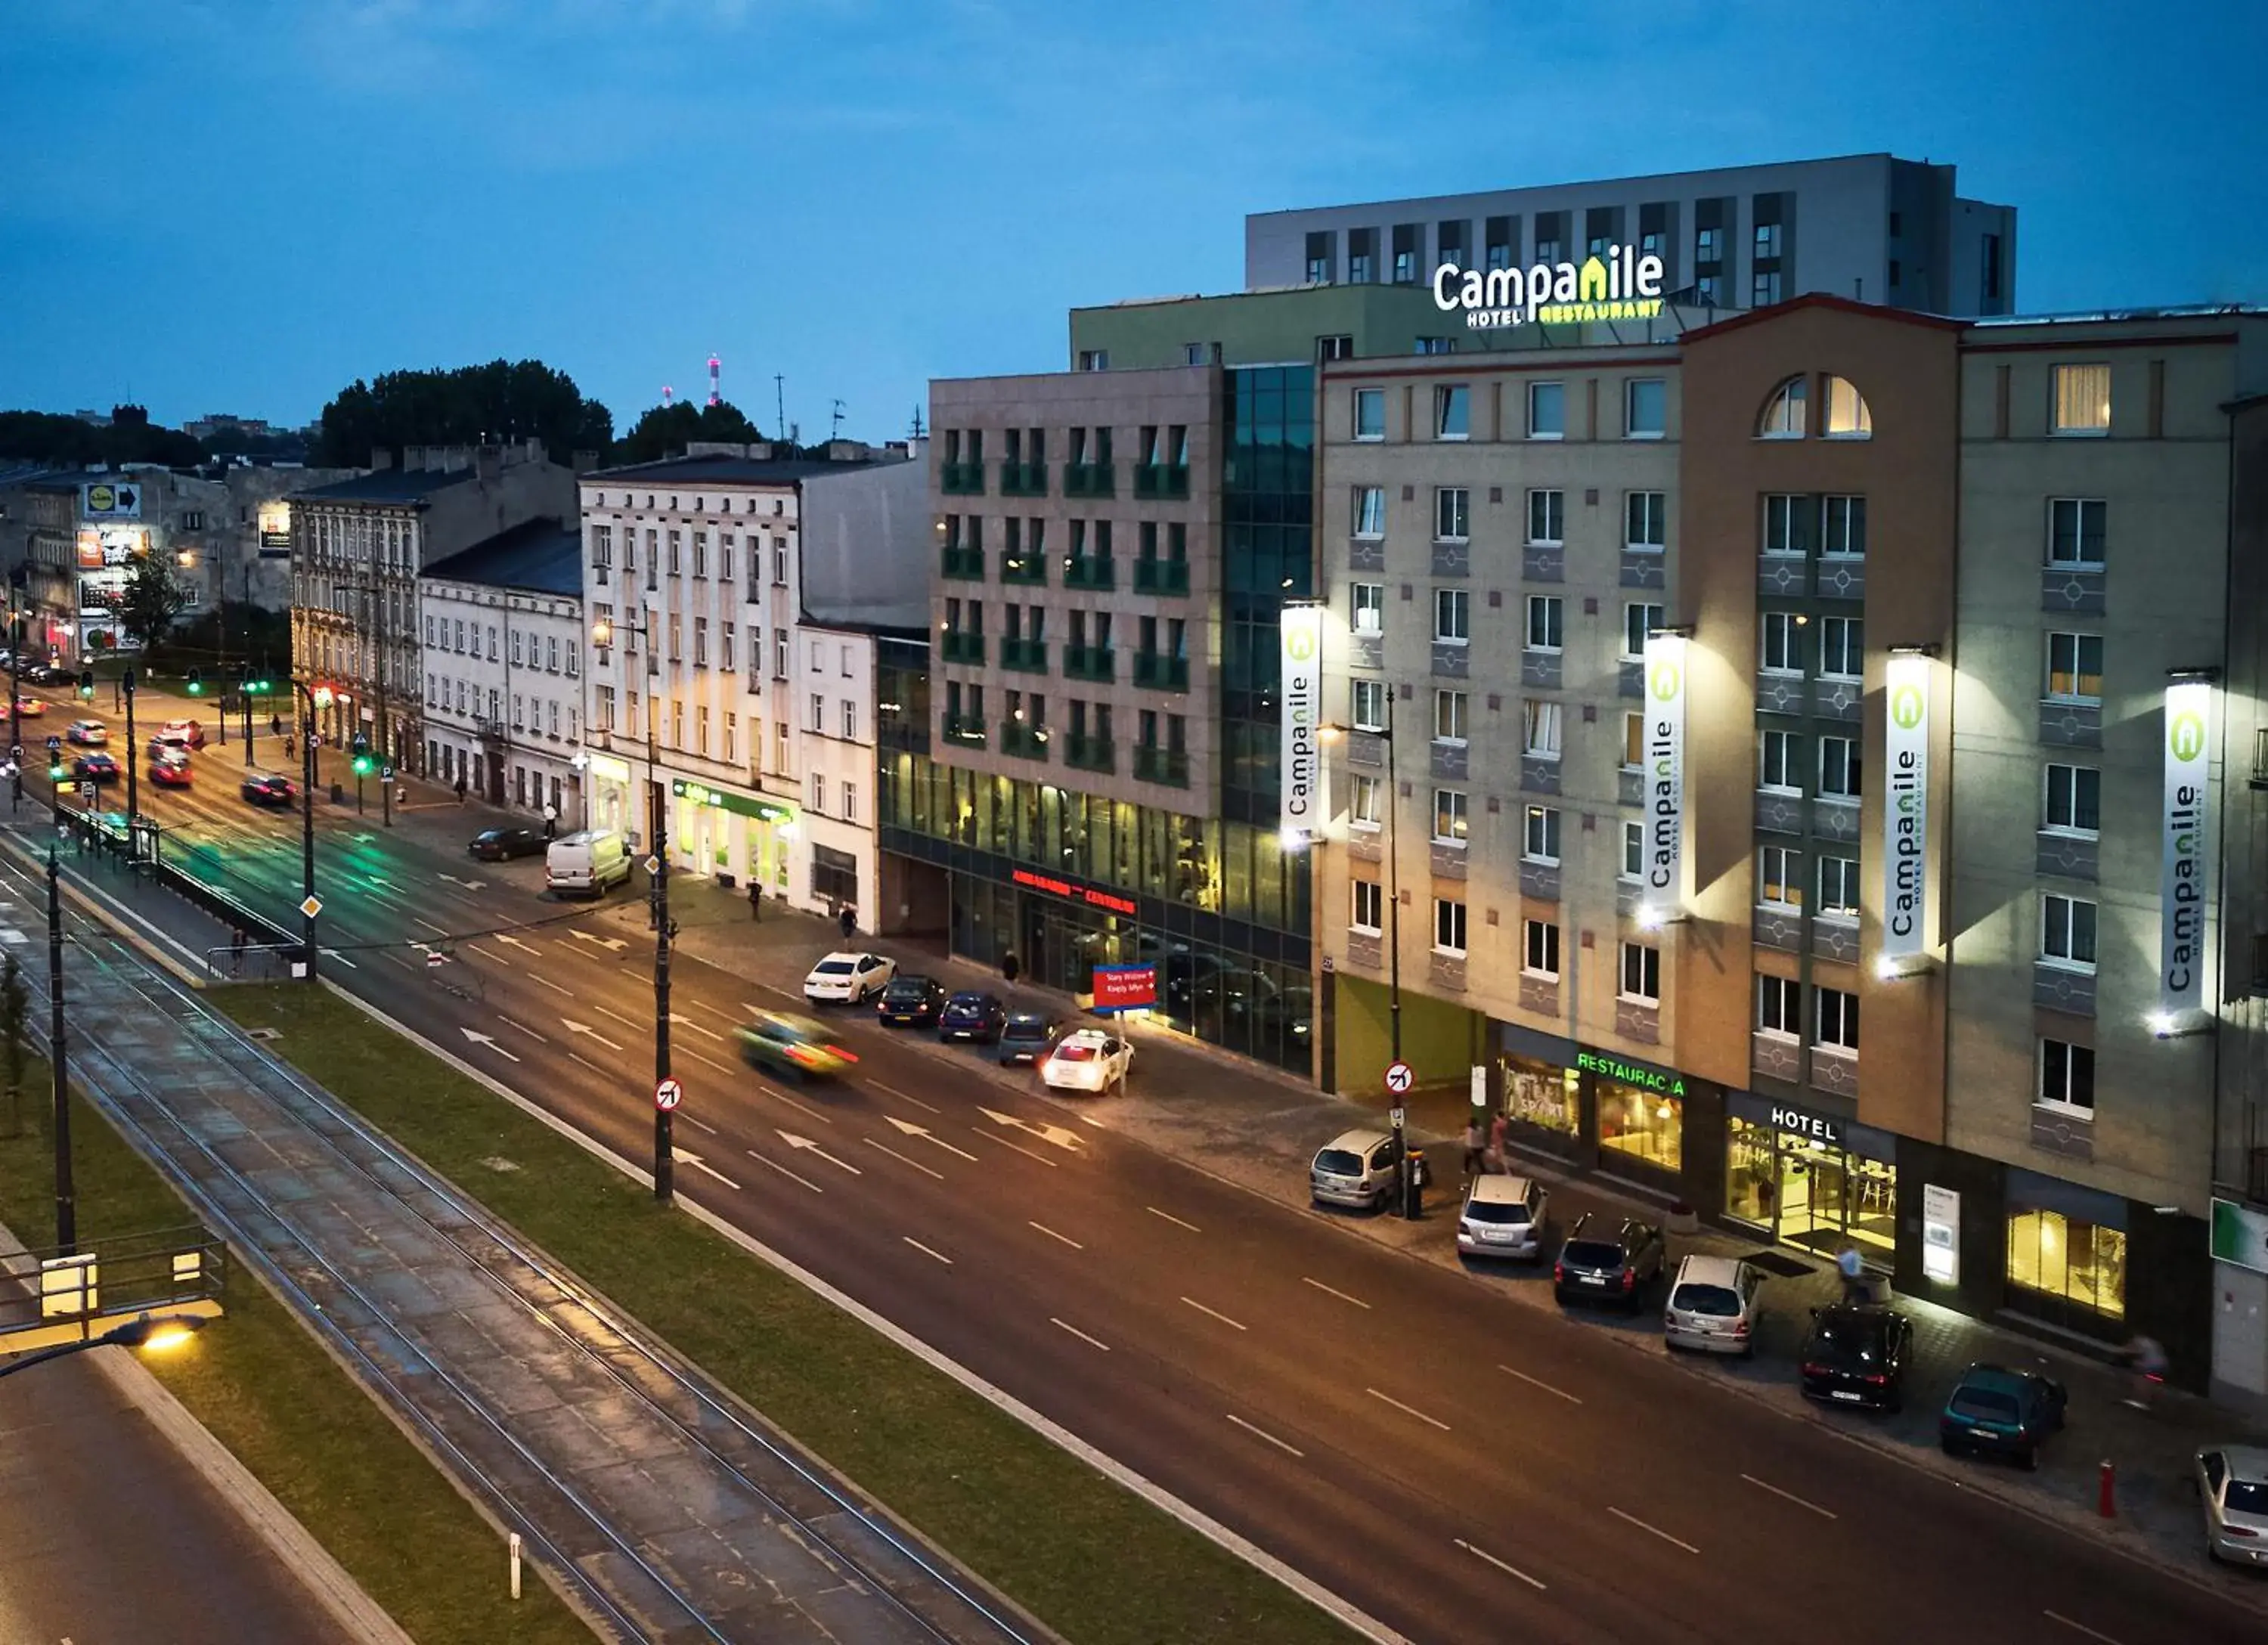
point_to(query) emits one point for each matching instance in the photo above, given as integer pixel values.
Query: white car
(2232, 1486)
(849, 979)
(1503, 1217)
(1089, 1061)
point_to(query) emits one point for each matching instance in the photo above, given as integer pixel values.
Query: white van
(586, 864)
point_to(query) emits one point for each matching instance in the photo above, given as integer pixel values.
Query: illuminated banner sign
(2182, 884)
(1664, 753)
(275, 530)
(109, 500)
(1125, 987)
(1621, 285)
(725, 799)
(1303, 701)
(1073, 890)
(1906, 809)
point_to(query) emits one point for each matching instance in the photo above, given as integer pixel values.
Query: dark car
(1607, 1263)
(501, 844)
(170, 769)
(1855, 1353)
(2000, 1413)
(910, 1001)
(973, 1016)
(1025, 1038)
(270, 791)
(96, 768)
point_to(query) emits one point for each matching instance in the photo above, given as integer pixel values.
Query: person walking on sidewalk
(1499, 1129)
(756, 901)
(847, 921)
(275, 725)
(2147, 1356)
(460, 788)
(1476, 1149)
(236, 946)
(1853, 1267)
(1010, 970)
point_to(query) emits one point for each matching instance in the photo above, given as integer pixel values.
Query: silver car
(2233, 1485)
(1713, 1306)
(1503, 1217)
(1355, 1168)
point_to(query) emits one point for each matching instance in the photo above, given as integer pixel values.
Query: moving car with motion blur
(910, 1000)
(271, 790)
(87, 734)
(169, 767)
(1995, 1412)
(1088, 1060)
(188, 733)
(792, 1047)
(846, 978)
(502, 844)
(972, 1016)
(96, 768)
(1025, 1039)
(30, 708)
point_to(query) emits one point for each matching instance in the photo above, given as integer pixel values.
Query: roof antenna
(835, 432)
(779, 389)
(918, 431)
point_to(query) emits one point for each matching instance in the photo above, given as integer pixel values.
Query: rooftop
(717, 469)
(542, 556)
(389, 485)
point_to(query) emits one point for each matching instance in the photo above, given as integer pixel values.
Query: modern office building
(1871, 228)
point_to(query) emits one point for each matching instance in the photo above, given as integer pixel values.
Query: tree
(151, 599)
(665, 429)
(501, 402)
(15, 1012)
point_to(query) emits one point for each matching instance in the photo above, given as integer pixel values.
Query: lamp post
(15, 700)
(133, 776)
(1333, 733)
(306, 819)
(144, 1332)
(66, 1194)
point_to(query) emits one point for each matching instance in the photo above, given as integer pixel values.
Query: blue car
(971, 1015)
(1995, 1412)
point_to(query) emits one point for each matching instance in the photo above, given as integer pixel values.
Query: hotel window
(1844, 519)
(1646, 408)
(1709, 291)
(1780, 877)
(1540, 841)
(1540, 729)
(2077, 529)
(1783, 643)
(1540, 948)
(1633, 851)
(1839, 1018)
(2079, 1263)
(1448, 925)
(2067, 931)
(2075, 668)
(1847, 416)
(1546, 622)
(2075, 800)
(1453, 412)
(1449, 716)
(1779, 1008)
(1547, 249)
(1645, 522)
(1547, 411)
(1370, 414)
(1839, 772)
(1498, 230)
(1633, 740)
(1838, 886)
(1453, 521)
(1368, 704)
(1448, 817)
(1369, 512)
(1779, 763)
(2082, 399)
(1453, 616)
(1709, 245)
(2067, 1078)
(1639, 621)
(1369, 608)
(1784, 415)
(1641, 973)
(1788, 522)
(1362, 805)
(1767, 240)
(1368, 910)
(1842, 648)
(1547, 519)
(1763, 289)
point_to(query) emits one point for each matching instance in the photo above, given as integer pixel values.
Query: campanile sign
(2185, 812)
(1906, 809)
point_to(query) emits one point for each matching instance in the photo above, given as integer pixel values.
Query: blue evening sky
(241, 205)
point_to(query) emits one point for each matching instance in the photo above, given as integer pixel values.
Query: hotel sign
(1621, 285)
(1906, 809)
(2182, 874)
(1663, 752)
(1303, 700)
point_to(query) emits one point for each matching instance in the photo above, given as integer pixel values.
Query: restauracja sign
(1621, 285)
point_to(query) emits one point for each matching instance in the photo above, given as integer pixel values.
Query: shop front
(732, 837)
(1815, 1180)
(1601, 1110)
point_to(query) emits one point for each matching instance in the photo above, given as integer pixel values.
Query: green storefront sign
(724, 800)
(1636, 1074)
(2240, 1235)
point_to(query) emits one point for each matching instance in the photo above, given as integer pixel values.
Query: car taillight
(1874, 1379)
(847, 1055)
(1815, 1370)
(1559, 1272)
(1630, 1279)
(1740, 1330)
(2238, 1530)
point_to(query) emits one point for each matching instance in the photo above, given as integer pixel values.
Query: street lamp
(158, 1333)
(1332, 734)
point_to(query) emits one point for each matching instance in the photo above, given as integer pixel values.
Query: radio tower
(715, 396)
(664, 394)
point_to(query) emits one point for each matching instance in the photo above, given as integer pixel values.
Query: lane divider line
(1171, 1218)
(902, 1159)
(1049, 1232)
(1632, 1519)
(1214, 1312)
(1081, 1335)
(1537, 1381)
(925, 1250)
(1333, 1291)
(793, 1176)
(1407, 1410)
(1824, 1513)
(2082, 1628)
(1509, 1570)
(1261, 1433)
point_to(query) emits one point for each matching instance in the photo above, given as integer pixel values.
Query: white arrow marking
(479, 1038)
(1056, 1134)
(912, 1130)
(573, 1027)
(615, 945)
(809, 1146)
(470, 885)
(687, 1022)
(700, 1164)
(505, 936)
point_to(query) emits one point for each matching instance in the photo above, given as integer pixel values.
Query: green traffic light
(56, 773)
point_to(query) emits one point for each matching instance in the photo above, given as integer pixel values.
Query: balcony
(1169, 766)
(962, 479)
(955, 647)
(1090, 753)
(965, 730)
(1031, 569)
(1026, 742)
(1026, 656)
(1161, 479)
(1158, 671)
(1023, 479)
(1161, 577)
(1090, 571)
(1090, 479)
(1090, 663)
(963, 563)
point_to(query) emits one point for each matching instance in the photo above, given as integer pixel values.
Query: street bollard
(515, 1565)
(2106, 1502)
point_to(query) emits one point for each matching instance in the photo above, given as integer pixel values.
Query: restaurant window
(2072, 1265)
(1648, 1126)
(1543, 1094)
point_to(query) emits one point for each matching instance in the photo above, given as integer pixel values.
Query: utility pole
(779, 390)
(15, 700)
(665, 1156)
(307, 827)
(66, 1194)
(133, 777)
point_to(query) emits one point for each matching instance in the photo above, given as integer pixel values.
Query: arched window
(1847, 416)
(1784, 416)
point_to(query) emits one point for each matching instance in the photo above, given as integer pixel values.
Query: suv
(1355, 1168)
(1855, 1353)
(1503, 1217)
(1601, 1265)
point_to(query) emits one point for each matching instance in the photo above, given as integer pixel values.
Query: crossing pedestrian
(460, 788)
(2147, 1356)
(237, 944)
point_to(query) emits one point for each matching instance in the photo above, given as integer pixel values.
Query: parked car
(271, 790)
(169, 768)
(2232, 1486)
(96, 768)
(910, 1000)
(189, 732)
(792, 1047)
(1026, 1038)
(502, 844)
(972, 1016)
(586, 863)
(1503, 1216)
(1996, 1412)
(86, 733)
(1713, 1306)
(845, 978)
(1088, 1060)
(1856, 1353)
(1355, 1168)
(1602, 1263)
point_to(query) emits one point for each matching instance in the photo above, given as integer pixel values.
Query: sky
(243, 205)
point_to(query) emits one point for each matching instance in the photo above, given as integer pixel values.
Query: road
(1430, 1451)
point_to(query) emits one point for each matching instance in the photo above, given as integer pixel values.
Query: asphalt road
(1459, 1466)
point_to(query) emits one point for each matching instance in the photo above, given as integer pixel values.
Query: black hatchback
(501, 844)
(972, 1016)
(1612, 1263)
(1855, 1355)
(910, 1000)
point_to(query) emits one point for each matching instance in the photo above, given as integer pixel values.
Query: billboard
(2184, 867)
(110, 500)
(1662, 753)
(1906, 809)
(1303, 701)
(275, 530)
(1125, 987)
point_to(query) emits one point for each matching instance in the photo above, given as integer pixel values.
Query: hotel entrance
(1808, 1179)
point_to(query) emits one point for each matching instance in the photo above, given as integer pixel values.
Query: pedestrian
(236, 946)
(848, 921)
(290, 745)
(1475, 1148)
(275, 725)
(757, 900)
(460, 788)
(2149, 1359)
(1499, 1129)
(1853, 1267)
(1009, 969)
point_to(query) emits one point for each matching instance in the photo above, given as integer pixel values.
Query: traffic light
(86, 683)
(362, 763)
(55, 768)
(196, 683)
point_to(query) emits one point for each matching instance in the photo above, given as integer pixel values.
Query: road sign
(312, 907)
(668, 1095)
(654, 865)
(15, 750)
(54, 742)
(1397, 1117)
(1399, 1078)
(385, 773)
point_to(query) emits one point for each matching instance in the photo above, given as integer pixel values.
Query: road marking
(1018, 1147)
(587, 1063)
(505, 936)
(573, 1027)
(1171, 1218)
(489, 1040)
(1214, 1312)
(631, 1023)
(700, 1164)
(892, 1090)
(911, 1130)
(1076, 1331)
(1065, 1238)
(1824, 1513)
(1409, 1410)
(612, 945)
(793, 1176)
(690, 1120)
(805, 1145)
(486, 954)
(2057, 1616)
(805, 1109)
(902, 1160)
(1634, 1520)
(1056, 1134)
(1537, 1381)
(530, 1032)
(1509, 1570)
(925, 1250)
(548, 983)
(709, 1062)
(332, 953)
(1261, 1433)
(439, 931)
(1342, 1295)
(679, 1017)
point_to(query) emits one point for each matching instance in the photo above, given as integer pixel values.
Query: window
(1453, 616)
(819, 793)
(2082, 399)
(725, 564)
(1452, 514)
(1763, 290)
(1767, 240)
(1367, 914)
(732, 735)
(701, 554)
(1337, 347)
(700, 727)
(2067, 931)
(1369, 522)
(1844, 519)
(1783, 413)
(2067, 1078)
(1540, 729)
(1540, 948)
(1788, 522)
(1547, 517)
(1449, 716)
(700, 642)
(1838, 767)
(1370, 414)
(1633, 740)
(1838, 886)
(1780, 877)
(1645, 520)
(849, 720)
(1847, 416)
(1453, 412)
(1449, 818)
(1646, 408)
(1368, 704)
(1839, 1018)
(2074, 798)
(674, 547)
(850, 801)
(1782, 644)
(2075, 668)
(2080, 1265)
(1362, 805)
(724, 648)
(1842, 648)
(1369, 607)
(1709, 245)
(1540, 841)
(1547, 411)
(1641, 973)
(1779, 1008)
(517, 648)
(2077, 527)
(1094, 359)
(676, 639)
(1780, 768)
(1448, 926)
(1639, 621)
(1633, 851)
(818, 721)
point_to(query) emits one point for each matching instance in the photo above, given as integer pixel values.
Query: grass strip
(268, 1391)
(1095, 1561)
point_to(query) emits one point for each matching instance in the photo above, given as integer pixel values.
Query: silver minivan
(1713, 1306)
(1355, 1168)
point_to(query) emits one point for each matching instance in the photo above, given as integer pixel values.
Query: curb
(100, 906)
